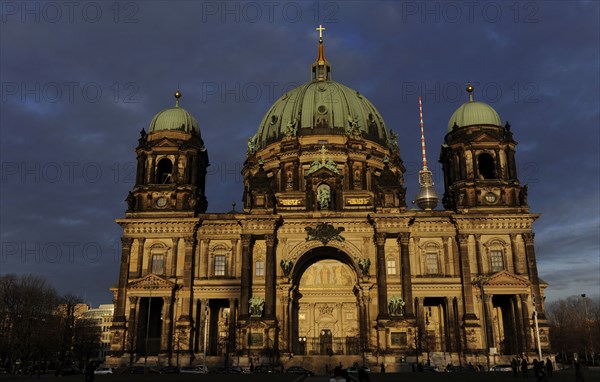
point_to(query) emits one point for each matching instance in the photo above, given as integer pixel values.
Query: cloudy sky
(80, 79)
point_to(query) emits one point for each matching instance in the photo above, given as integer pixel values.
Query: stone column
(246, 279)
(175, 173)
(446, 255)
(203, 258)
(202, 325)
(515, 253)
(270, 273)
(132, 326)
(166, 337)
(174, 258)
(450, 324)
(478, 256)
(234, 256)
(406, 274)
(140, 257)
(525, 319)
(141, 169)
(487, 305)
(232, 323)
(517, 323)
(533, 274)
(381, 277)
(475, 168)
(350, 174)
(123, 279)
(465, 274)
(152, 171)
(186, 290)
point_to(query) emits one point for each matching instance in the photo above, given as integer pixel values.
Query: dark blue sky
(80, 79)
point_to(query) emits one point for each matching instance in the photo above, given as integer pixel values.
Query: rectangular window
(158, 264)
(496, 258)
(260, 268)
(399, 339)
(431, 259)
(391, 267)
(219, 265)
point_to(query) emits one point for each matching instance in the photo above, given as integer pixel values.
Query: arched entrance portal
(326, 313)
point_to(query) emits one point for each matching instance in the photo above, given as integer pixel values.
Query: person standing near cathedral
(524, 368)
(549, 367)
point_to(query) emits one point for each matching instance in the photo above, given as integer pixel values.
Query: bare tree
(27, 306)
(575, 328)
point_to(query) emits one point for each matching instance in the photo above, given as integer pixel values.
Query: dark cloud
(77, 90)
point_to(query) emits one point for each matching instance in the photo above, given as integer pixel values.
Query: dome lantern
(321, 68)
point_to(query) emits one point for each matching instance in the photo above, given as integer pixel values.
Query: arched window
(157, 259)
(487, 167)
(164, 171)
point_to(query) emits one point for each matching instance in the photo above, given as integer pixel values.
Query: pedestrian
(578, 372)
(524, 368)
(382, 368)
(515, 367)
(549, 367)
(89, 372)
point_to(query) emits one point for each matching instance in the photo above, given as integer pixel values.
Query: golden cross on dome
(320, 29)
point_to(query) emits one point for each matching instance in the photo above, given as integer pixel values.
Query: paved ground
(560, 376)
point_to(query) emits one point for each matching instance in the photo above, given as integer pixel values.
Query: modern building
(325, 263)
(102, 317)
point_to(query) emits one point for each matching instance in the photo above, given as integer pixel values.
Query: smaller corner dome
(474, 113)
(175, 118)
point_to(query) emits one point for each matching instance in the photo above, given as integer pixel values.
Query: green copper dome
(175, 118)
(321, 107)
(474, 113)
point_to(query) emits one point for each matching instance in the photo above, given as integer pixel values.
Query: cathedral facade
(325, 263)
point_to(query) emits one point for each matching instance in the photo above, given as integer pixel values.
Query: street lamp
(480, 281)
(586, 328)
(537, 329)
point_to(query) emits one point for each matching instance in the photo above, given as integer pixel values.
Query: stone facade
(325, 264)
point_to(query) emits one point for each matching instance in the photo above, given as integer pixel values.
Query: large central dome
(321, 107)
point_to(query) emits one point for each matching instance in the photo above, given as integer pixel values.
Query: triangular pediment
(484, 137)
(165, 142)
(151, 282)
(507, 279)
(323, 173)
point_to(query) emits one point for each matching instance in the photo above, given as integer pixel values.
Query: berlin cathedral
(325, 263)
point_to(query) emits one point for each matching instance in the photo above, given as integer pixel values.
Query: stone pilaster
(406, 275)
(270, 273)
(382, 300)
(465, 274)
(246, 280)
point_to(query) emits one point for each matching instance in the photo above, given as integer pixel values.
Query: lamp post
(537, 329)
(480, 281)
(147, 330)
(586, 328)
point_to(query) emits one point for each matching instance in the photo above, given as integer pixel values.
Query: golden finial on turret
(470, 89)
(177, 96)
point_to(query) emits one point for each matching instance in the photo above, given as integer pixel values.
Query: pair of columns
(246, 279)
(405, 275)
